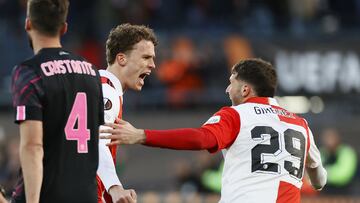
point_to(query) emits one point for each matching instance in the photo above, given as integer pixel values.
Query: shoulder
(25, 71)
(110, 81)
(109, 91)
(106, 82)
(28, 63)
(301, 119)
(238, 109)
(224, 114)
(243, 106)
(102, 73)
(227, 110)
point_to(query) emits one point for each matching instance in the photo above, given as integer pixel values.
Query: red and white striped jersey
(113, 100)
(266, 161)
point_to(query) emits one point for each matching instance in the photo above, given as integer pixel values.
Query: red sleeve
(183, 139)
(225, 126)
(219, 132)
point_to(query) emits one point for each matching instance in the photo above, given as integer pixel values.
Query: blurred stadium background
(314, 44)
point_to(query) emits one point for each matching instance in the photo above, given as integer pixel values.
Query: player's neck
(40, 42)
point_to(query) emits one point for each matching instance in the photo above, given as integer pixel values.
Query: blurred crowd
(91, 17)
(189, 68)
(253, 15)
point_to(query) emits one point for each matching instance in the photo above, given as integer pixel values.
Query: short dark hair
(123, 37)
(259, 73)
(48, 16)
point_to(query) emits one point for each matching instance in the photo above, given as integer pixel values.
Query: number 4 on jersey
(78, 113)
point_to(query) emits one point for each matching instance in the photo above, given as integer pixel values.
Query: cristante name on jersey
(50, 68)
(281, 112)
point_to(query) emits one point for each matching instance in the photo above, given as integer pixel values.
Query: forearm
(183, 139)
(31, 158)
(318, 176)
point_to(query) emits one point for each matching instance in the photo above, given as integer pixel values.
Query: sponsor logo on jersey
(63, 53)
(212, 120)
(107, 104)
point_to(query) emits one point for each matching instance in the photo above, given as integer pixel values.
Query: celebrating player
(59, 106)
(130, 55)
(265, 147)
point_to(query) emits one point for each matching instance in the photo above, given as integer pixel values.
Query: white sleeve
(314, 167)
(313, 158)
(106, 169)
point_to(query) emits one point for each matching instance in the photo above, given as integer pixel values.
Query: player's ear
(245, 90)
(63, 29)
(121, 59)
(28, 24)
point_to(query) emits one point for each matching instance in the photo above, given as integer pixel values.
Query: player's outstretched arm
(181, 139)
(215, 135)
(120, 195)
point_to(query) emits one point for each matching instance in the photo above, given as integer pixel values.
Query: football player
(130, 53)
(59, 107)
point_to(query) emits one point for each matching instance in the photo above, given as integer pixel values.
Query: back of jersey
(266, 161)
(64, 92)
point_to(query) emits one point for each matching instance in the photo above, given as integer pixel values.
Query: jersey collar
(263, 100)
(51, 49)
(114, 80)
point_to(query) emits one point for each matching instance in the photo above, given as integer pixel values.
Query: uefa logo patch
(107, 104)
